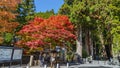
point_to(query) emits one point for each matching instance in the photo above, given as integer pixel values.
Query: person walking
(41, 58)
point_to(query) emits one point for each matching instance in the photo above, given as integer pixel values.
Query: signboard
(17, 54)
(10, 54)
(5, 54)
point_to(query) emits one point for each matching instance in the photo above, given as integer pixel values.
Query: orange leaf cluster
(7, 15)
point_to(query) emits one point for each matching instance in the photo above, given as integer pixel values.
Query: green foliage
(116, 43)
(84, 53)
(65, 10)
(115, 31)
(116, 17)
(76, 13)
(26, 10)
(69, 56)
(8, 38)
(45, 15)
(69, 2)
(71, 46)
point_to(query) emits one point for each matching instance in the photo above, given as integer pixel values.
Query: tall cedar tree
(95, 17)
(26, 11)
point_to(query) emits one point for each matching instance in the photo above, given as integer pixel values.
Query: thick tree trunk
(108, 41)
(104, 53)
(79, 48)
(88, 43)
(108, 51)
(91, 44)
(79, 41)
(108, 48)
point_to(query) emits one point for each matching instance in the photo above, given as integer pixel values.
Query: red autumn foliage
(42, 31)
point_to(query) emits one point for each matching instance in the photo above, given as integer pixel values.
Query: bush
(84, 53)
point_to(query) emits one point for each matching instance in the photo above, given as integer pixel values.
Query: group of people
(44, 58)
(53, 58)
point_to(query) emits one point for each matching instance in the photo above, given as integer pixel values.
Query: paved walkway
(95, 64)
(73, 66)
(78, 66)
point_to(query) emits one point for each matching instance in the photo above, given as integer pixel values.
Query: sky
(44, 5)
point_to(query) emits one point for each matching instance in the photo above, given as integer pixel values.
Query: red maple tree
(53, 30)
